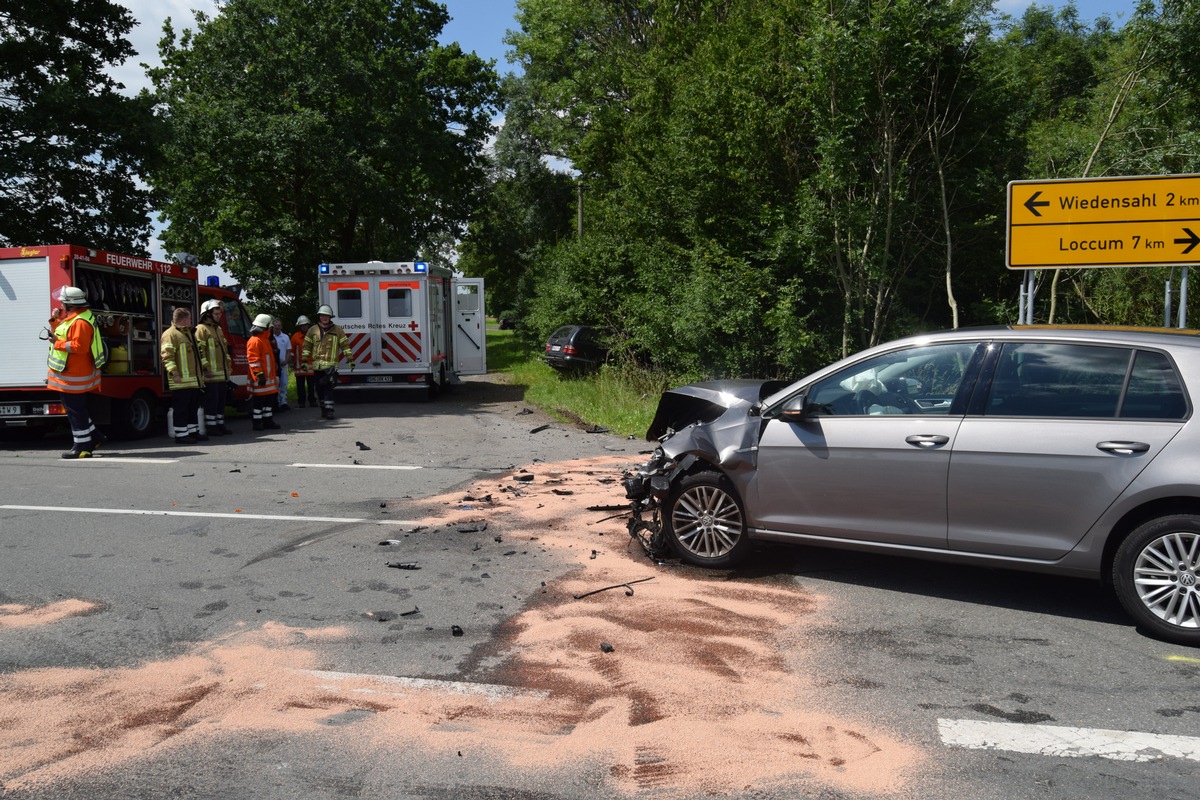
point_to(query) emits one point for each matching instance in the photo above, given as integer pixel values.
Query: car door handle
(1123, 448)
(928, 440)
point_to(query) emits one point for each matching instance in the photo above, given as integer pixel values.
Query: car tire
(705, 522)
(1156, 573)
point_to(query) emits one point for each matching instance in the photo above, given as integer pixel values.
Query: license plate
(554, 348)
(10, 411)
(379, 379)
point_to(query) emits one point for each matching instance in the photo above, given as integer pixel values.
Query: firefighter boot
(98, 439)
(78, 451)
(269, 422)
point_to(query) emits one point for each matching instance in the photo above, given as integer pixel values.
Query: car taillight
(569, 350)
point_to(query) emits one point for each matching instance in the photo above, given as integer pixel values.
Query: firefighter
(263, 361)
(75, 359)
(324, 345)
(185, 376)
(216, 360)
(306, 383)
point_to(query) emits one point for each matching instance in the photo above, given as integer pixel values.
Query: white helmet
(209, 305)
(262, 321)
(72, 296)
(326, 310)
(303, 320)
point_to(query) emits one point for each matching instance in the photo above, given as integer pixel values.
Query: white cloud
(150, 15)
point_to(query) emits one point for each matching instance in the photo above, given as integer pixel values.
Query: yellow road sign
(1104, 222)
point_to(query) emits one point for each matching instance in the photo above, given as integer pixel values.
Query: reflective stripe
(73, 384)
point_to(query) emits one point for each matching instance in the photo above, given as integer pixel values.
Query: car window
(1038, 379)
(349, 303)
(1155, 391)
(399, 302)
(917, 380)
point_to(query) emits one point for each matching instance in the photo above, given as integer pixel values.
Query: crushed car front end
(712, 426)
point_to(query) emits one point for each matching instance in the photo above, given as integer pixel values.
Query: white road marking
(491, 691)
(211, 515)
(126, 460)
(1061, 741)
(351, 466)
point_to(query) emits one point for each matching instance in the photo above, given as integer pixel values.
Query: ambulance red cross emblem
(412, 326)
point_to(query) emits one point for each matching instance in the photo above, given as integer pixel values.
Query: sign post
(1104, 222)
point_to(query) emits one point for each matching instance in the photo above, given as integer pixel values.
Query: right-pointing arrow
(1191, 242)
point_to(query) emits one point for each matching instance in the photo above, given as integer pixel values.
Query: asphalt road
(252, 548)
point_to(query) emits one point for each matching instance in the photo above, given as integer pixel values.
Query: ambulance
(411, 324)
(132, 299)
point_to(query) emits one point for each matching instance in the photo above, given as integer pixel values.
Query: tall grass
(623, 401)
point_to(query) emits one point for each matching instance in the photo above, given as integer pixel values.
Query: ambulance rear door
(401, 313)
(470, 343)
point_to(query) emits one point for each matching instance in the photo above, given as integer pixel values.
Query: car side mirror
(795, 409)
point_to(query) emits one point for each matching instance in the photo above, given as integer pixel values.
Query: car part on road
(627, 584)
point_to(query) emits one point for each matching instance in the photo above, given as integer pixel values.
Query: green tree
(528, 207)
(303, 132)
(71, 146)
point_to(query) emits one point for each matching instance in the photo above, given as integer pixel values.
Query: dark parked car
(1067, 451)
(575, 348)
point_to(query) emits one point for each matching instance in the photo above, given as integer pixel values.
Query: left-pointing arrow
(1191, 242)
(1033, 203)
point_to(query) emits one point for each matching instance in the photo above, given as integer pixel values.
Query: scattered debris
(614, 507)
(594, 554)
(402, 564)
(628, 588)
(511, 553)
(362, 446)
(189, 475)
(487, 498)
(499, 538)
(605, 647)
(597, 429)
(390, 541)
(524, 412)
(383, 505)
(539, 429)
(415, 610)
(472, 526)
(235, 470)
(455, 630)
(523, 478)
(562, 491)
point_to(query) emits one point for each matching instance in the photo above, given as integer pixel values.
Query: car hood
(704, 402)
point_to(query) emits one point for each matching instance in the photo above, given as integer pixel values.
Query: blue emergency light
(213, 280)
(420, 266)
(323, 269)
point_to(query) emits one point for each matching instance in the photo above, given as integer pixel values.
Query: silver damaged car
(1070, 451)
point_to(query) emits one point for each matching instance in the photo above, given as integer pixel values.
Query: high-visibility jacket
(323, 348)
(214, 352)
(298, 365)
(73, 354)
(261, 358)
(181, 357)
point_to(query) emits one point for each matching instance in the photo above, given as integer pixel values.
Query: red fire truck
(132, 299)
